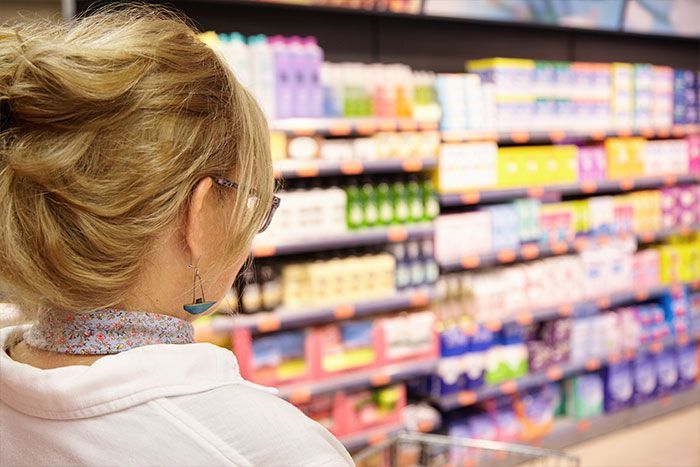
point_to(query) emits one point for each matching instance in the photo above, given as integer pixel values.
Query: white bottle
(262, 73)
(239, 58)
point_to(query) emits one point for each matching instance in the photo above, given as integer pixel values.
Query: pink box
(592, 163)
(359, 411)
(646, 264)
(694, 153)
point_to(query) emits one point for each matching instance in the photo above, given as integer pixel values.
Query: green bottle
(431, 205)
(354, 210)
(415, 200)
(369, 203)
(399, 198)
(384, 202)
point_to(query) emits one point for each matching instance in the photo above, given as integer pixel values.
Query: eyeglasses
(252, 201)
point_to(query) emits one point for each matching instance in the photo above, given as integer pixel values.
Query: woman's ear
(195, 227)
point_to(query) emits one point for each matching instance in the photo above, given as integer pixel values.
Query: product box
(449, 232)
(645, 378)
(465, 166)
(619, 386)
(407, 337)
(535, 410)
(363, 410)
(585, 396)
(528, 211)
(323, 408)
(625, 157)
(667, 371)
(693, 153)
(623, 95)
(504, 227)
(643, 95)
(275, 359)
(687, 365)
(345, 347)
(662, 97)
(592, 163)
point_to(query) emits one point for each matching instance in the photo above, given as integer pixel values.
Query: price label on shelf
(466, 398)
(588, 187)
(308, 169)
(494, 325)
(566, 310)
(340, 128)
(380, 379)
(344, 312)
(412, 165)
(300, 396)
(678, 131)
(471, 262)
(352, 168)
(264, 251)
(525, 319)
(641, 295)
(509, 387)
(520, 137)
(559, 248)
(506, 256)
(557, 136)
(408, 125)
(535, 192)
(470, 197)
(626, 184)
(598, 135)
(419, 299)
(268, 322)
(663, 133)
(397, 234)
(593, 364)
(367, 127)
(530, 251)
(603, 303)
(387, 125)
(555, 373)
(647, 133)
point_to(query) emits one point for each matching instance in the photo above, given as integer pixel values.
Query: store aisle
(670, 441)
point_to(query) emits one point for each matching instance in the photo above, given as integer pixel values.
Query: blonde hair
(108, 122)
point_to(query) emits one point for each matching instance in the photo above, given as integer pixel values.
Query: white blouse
(159, 405)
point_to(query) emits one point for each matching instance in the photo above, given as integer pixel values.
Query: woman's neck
(44, 360)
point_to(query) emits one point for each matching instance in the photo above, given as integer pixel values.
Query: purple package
(560, 353)
(694, 153)
(619, 387)
(556, 331)
(645, 379)
(539, 356)
(687, 365)
(312, 68)
(667, 371)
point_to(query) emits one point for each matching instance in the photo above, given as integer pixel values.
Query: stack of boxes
(685, 97)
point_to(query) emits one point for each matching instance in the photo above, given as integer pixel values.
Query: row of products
(380, 146)
(332, 350)
(332, 279)
(320, 211)
(484, 165)
(509, 226)
(347, 413)
(394, 6)
(519, 94)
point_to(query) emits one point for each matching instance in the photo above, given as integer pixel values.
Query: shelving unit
(348, 126)
(554, 373)
(290, 169)
(260, 323)
(375, 236)
(472, 197)
(533, 251)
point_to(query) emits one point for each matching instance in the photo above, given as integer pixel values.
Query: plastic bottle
(384, 202)
(313, 58)
(355, 214)
(431, 205)
(400, 201)
(417, 267)
(239, 58)
(300, 96)
(284, 82)
(415, 200)
(271, 288)
(403, 269)
(262, 67)
(432, 271)
(369, 203)
(251, 299)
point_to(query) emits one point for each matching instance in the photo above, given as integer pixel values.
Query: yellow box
(624, 157)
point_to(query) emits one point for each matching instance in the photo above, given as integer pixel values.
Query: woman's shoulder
(263, 427)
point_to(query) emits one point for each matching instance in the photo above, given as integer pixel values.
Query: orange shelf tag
(367, 127)
(598, 135)
(525, 319)
(663, 133)
(656, 347)
(412, 165)
(559, 248)
(581, 243)
(304, 131)
(630, 354)
(614, 358)
(535, 192)
(427, 126)
(377, 438)
(352, 168)
(380, 379)
(678, 131)
(641, 295)
(425, 426)
(340, 128)
(683, 339)
(583, 425)
(268, 322)
(506, 256)
(624, 132)
(593, 364)
(603, 302)
(300, 396)
(419, 299)
(466, 398)
(509, 387)
(566, 310)
(471, 262)
(647, 237)
(520, 137)
(647, 133)
(557, 136)
(555, 373)
(308, 170)
(470, 197)
(665, 401)
(264, 251)
(344, 311)
(408, 125)
(626, 184)
(588, 187)
(530, 251)
(397, 234)
(494, 325)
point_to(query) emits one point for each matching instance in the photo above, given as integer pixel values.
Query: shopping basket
(408, 449)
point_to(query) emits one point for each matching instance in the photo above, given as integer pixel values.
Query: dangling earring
(198, 305)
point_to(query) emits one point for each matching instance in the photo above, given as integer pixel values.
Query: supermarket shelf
(286, 319)
(303, 392)
(473, 197)
(369, 438)
(374, 236)
(348, 126)
(532, 251)
(289, 169)
(569, 432)
(559, 136)
(554, 373)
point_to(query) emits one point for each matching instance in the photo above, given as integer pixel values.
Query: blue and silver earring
(198, 305)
